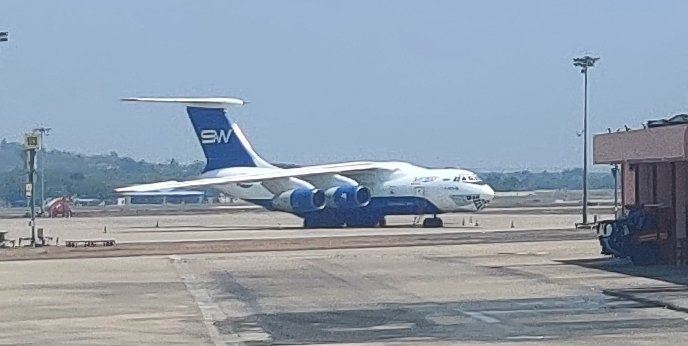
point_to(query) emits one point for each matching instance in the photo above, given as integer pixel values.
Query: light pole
(44, 131)
(31, 144)
(584, 63)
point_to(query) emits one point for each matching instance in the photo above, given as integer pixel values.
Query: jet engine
(300, 200)
(347, 197)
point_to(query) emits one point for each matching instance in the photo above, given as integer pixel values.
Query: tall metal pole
(584, 63)
(42, 166)
(31, 143)
(44, 131)
(585, 147)
(32, 171)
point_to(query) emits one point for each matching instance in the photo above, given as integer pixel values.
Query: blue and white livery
(353, 194)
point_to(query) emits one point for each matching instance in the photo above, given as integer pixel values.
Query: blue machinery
(641, 235)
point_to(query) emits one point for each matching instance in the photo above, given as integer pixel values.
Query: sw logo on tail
(215, 136)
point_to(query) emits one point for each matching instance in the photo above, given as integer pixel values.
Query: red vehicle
(59, 207)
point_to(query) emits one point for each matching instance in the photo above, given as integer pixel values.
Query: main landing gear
(433, 222)
(382, 222)
(332, 221)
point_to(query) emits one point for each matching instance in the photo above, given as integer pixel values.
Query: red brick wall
(681, 198)
(645, 187)
(665, 187)
(627, 184)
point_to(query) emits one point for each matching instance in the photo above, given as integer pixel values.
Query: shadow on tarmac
(491, 320)
(671, 274)
(673, 296)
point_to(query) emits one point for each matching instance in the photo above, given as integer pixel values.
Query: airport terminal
(236, 249)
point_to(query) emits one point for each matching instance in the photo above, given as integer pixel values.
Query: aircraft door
(419, 191)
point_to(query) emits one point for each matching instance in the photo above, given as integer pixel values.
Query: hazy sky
(479, 84)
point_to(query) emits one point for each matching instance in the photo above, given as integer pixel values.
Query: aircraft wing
(337, 168)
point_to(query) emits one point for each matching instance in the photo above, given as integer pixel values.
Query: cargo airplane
(353, 194)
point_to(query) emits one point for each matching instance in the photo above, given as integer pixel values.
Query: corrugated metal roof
(677, 119)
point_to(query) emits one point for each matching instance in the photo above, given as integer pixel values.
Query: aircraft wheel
(382, 222)
(434, 222)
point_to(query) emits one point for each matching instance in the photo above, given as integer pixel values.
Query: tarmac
(256, 278)
(254, 224)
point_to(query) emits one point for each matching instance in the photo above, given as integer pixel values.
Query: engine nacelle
(347, 197)
(300, 200)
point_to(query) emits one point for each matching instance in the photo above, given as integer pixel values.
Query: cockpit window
(472, 178)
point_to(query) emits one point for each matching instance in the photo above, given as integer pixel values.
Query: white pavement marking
(212, 312)
(392, 326)
(481, 317)
(529, 337)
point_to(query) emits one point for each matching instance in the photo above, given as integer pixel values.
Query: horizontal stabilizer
(176, 193)
(202, 102)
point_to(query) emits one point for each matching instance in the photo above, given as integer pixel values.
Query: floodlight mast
(584, 63)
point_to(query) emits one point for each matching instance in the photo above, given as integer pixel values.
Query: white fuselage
(449, 189)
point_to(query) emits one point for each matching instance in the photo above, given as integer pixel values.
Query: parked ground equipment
(642, 235)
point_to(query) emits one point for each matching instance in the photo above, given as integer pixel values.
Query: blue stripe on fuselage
(380, 206)
(410, 205)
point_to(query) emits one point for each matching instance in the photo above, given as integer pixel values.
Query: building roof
(650, 144)
(677, 119)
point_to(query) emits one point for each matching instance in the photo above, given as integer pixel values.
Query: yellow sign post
(31, 144)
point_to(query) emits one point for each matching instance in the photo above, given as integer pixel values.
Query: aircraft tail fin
(224, 144)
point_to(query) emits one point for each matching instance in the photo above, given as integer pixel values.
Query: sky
(478, 84)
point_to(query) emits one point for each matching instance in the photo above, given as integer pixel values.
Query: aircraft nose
(487, 193)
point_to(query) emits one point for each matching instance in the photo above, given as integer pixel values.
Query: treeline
(571, 179)
(96, 176)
